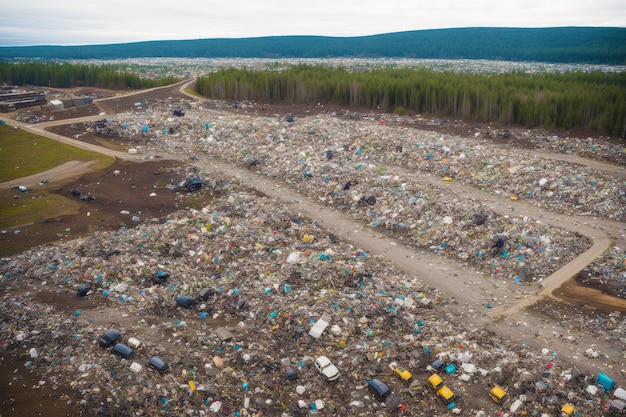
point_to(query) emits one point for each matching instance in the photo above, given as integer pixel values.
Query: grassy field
(24, 153)
(33, 207)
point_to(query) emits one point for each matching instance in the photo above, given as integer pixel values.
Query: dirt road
(61, 173)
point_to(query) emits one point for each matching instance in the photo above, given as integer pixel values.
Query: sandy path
(453, 277)
(57, 175)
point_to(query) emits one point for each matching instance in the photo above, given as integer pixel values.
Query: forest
(66, 75)
(594, 101)
(588, 45)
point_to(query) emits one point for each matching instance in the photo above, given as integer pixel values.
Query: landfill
(234, 293)
(328, 145)
(608, 272)
(392, 178)
(274, 276)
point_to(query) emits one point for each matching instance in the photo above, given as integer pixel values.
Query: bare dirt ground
(139, 190)
(130, 191)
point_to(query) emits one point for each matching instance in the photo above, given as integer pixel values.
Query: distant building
(75, 102)
(12, 99)
(55, 105)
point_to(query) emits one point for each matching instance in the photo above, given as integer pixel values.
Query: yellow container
(446, 395)
(568, 409)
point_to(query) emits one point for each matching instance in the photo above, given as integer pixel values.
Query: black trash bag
(83, 291)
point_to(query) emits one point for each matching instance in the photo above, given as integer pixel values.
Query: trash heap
(387, 143)
(603, 149)
(259, 277)
(373, 172)
(607, 273)
(603, 326)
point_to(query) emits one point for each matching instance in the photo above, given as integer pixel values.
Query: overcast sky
(82, 22)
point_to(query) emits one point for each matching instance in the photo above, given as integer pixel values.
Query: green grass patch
(34, 207)
(24, 153)
(196, 201)
(161, 184)
(194, 93)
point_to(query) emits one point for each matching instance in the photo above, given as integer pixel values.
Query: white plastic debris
(620, 393)
(319, 326)
(469, 368)
(515, 406)
(293, 258)
(134, 343)
(335, 330)
(216, 406)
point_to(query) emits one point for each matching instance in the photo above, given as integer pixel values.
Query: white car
(325, 367)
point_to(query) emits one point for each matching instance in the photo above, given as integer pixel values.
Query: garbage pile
(595, 148)
(233, 295)
(607, 273)
(478, 161)
(371, 171)
(608, 326)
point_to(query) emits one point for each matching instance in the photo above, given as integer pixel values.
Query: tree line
(586, 45)
(595, 101)
(65, 75)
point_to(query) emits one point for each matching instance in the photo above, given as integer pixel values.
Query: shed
(55, 105)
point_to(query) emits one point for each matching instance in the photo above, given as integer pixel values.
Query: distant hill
(592, 45)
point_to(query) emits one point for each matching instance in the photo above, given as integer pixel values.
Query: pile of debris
(375, 173)
(233, 295)
(240, 308)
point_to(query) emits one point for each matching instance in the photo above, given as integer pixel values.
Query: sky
(87, 22)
